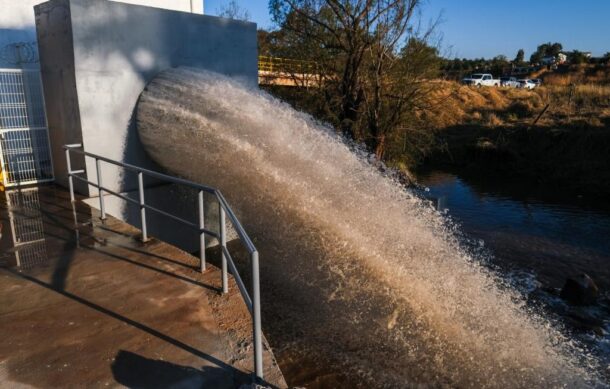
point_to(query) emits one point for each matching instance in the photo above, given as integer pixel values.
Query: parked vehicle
(537, 81)
(526, 84)
(481, 79)
(510, 82)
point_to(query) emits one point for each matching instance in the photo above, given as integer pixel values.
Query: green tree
(520, 57)
(536, 57)
(498, 65)
(577, 57)
(546, 50)
(554, 49)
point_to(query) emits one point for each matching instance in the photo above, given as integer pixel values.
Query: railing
(253, 303)
(286, 65)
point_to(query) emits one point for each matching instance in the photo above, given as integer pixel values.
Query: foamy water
(359, 276)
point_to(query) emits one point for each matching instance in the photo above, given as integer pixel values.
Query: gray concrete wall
(59, 82)
(116, 49)
(96, 58)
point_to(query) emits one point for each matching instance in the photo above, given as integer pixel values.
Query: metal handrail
(277, 64)
(253, 303)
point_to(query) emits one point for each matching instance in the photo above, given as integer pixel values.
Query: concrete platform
(84, 304)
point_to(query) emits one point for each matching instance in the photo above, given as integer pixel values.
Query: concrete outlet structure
(96, 57)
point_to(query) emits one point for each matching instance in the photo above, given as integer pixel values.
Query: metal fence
(25, 156)
(253, 303)
(27, 227)
(286, 65)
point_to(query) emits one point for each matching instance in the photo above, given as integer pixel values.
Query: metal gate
(27, 227)
(25, 155)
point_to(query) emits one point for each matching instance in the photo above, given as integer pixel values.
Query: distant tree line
(499, 65)
(458, 67)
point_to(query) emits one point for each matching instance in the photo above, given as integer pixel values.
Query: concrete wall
(117, 49)
(96, 58)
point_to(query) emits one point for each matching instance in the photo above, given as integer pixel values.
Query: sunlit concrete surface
(85, 304)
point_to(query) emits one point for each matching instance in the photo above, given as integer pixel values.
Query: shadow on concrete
(57, 280)
(87, 240)
(136, 371)
(150, 254)
(239, 377)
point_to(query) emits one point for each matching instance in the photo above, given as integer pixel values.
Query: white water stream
(358, 275)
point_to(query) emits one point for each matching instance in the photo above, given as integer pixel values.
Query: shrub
(520, 109)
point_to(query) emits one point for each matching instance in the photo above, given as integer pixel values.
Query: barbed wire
(20, 53)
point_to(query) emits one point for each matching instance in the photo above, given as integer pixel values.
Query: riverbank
(576, 160)
(553, 135)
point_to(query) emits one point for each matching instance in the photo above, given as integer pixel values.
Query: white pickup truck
(481, 79)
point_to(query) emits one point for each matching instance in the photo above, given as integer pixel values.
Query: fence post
(223, 244)
(98, 169)
(142, 208)
(70, 180)
(256, 317)
(201, 233)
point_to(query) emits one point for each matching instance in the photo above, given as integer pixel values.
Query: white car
(510, 82)
(481, 79)
(526, 84)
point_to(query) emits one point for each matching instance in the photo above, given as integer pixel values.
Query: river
(535, 237)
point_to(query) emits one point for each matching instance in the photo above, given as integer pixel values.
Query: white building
(18, 47)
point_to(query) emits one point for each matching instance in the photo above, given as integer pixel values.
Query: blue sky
(486, 28)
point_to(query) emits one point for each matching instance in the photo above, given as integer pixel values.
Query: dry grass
(483, 129)
(579, 74)
(458, 105)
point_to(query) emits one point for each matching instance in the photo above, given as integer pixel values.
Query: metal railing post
(223, 243)
(70, 180)
(253, 301)
(256, 317)
(142, 208)
(201, 233)
(98, 170)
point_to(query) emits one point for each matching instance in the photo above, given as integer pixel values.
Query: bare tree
(232, 10)
(346, 33)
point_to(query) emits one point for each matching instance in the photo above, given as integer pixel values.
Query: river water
(535, 237)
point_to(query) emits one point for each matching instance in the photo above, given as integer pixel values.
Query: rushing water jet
(358, 274)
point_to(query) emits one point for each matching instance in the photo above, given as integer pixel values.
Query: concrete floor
(84, 304)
